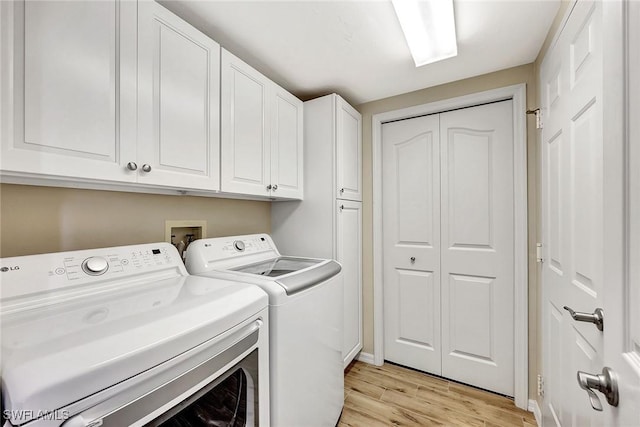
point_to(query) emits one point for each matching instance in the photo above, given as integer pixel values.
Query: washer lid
(68, 350)
(294, 274)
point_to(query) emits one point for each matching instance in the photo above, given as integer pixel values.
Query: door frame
(516, 93)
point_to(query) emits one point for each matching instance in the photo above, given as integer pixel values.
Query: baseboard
(365, 357)
(533, 407)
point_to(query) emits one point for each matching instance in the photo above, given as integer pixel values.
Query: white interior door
(448, 236)
(411, 239)
(573, 206)
(477, 241)
(622, 216)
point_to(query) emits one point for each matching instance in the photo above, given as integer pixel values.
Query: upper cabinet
(286, 144)
(126, 95)
(69, 88)
(110, 91)
(261, 134)
(348, 151)
(178, 102)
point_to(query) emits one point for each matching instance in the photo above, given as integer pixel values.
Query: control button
(239, 245)
(95, 266)
(59, 270)
(124, 261)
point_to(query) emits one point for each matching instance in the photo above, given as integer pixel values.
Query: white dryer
(305, 312)
(124, 336)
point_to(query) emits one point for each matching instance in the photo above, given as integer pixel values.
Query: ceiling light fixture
(429, 27)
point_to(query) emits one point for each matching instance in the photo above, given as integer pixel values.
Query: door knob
(342, 191)
(268, 187)
(597, 317)
(146, 168)
(606, 383)
(132, 166)
(413, 259)
(275, 187)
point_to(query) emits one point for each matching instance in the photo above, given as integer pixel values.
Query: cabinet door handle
(269, 187)
(342, 191)
(341, 207)
(132, 166)
(146, 168)
(275, 187)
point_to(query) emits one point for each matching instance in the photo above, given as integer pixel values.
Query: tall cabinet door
(68, 88)
(348, 151)
(349, 254)
(245, 133)
(286, 145)
(179, 98)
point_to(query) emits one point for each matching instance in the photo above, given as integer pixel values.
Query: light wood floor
(391, 395)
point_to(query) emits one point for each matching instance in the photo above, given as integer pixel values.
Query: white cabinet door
(348, 151)
(245, 131)
(178, 99)
(286, 144)
(349, 254)
(68, 104)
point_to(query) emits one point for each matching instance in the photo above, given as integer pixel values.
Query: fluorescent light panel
(429, 27)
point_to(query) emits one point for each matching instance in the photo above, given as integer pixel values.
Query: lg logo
(5, 269)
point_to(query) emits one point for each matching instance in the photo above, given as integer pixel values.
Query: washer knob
(239, 245)
(95, 266)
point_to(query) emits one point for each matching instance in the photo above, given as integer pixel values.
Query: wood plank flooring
(391, 395)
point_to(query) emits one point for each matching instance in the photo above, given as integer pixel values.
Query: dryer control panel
(34, 274)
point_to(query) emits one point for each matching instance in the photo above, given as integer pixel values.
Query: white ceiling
(357, 49)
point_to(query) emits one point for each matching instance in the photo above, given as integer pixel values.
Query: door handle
(606, 383)
(597, 317)
(412, 259)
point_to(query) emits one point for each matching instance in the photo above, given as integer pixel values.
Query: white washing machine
(125, 337)
(305, 312)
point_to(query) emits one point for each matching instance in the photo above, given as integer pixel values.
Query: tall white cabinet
(328, 223)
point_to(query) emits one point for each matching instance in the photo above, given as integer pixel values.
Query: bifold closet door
(411, 239)
(476, 154)
(448, 244)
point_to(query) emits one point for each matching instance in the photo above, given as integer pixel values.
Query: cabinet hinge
(540, 386)
(538, 114)
(539, 253)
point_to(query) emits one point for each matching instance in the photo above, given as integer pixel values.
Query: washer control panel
(238, 246)
(225, 252)
(36, 273)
